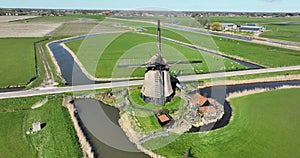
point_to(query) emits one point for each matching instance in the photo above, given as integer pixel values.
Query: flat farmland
(289, 32)
(101, 54)
(27, 29)
(13, 18)
(73, 29)
(269, 56)
(16, 61)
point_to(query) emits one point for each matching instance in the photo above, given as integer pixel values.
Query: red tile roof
(208, 109)
(163, 118)
(199, 99)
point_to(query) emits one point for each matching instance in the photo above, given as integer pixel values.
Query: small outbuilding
(163, 118)
(36, 127)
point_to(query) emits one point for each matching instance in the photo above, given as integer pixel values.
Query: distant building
(251, 28)
(229, 26)
(106, 12)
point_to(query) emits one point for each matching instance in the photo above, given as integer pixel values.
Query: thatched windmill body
(157, 88)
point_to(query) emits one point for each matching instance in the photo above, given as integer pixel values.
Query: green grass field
(57, 139)
(265, 55)
(249, 51)
(283, 32)
(261, 54)
(101, 54)
(264, 125)
(182, 20)
(17, 61)
(244, 19)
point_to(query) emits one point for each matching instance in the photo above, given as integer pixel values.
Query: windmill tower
(157, 88)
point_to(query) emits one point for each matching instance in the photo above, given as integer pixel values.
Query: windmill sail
(157, 87)
(159, 59)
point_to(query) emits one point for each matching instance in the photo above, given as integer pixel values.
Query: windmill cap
(157, 60)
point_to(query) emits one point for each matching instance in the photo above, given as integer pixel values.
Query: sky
(176, 5)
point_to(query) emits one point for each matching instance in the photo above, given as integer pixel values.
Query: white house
(229, 26)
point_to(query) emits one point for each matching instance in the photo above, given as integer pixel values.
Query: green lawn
(137, 101)
(264, 125)
(17, 61)
(147, 121)
(283, 32)
(57, 139)
(101, 54)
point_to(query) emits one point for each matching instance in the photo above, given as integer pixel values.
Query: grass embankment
(289, 32)
(264, 125)
(264, 75)
(57, 139)
(132, 48)
(17, 61)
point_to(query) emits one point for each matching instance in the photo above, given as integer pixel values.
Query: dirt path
(49, 80)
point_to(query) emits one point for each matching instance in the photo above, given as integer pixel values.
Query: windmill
(157, 88)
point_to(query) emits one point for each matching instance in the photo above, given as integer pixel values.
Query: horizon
(212, 11)
(254, 6)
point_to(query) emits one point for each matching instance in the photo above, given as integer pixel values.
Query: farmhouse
(251, 28)
(208, 111)
(229, 26)
(200, 100)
